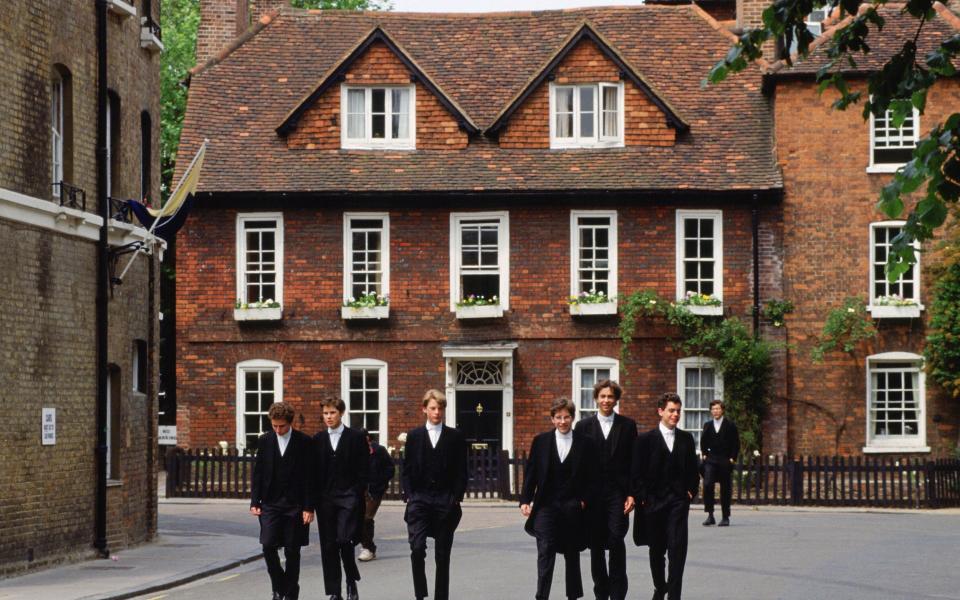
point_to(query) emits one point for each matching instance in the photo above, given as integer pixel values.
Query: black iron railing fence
(774, 480)
(70, 195)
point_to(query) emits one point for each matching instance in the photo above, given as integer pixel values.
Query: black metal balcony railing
(149, 24)
(70, 195)
(119, 210)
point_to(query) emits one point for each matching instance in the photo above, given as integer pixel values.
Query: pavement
(208, 549)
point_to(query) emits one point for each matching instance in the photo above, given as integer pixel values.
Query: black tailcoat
(283, 483)
(661, 476)
(722, 446)
(342, 475)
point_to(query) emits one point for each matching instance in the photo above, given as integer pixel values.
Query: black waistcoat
(435, 468)
(280, 481)
(559, 477)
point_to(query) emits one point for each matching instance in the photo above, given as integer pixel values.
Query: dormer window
(378, 117)
(586, 115)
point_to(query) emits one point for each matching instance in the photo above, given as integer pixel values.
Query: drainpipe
(100, 510)
(755, 230)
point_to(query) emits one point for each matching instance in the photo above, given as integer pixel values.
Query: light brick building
(531, 156)
(49, 231)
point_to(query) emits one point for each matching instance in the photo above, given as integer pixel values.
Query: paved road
(766, 554)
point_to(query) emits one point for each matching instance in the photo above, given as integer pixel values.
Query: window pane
(610, 117)
(355, 114)
(378, 127)
(378, 100)
(481, 285)
(400, 122)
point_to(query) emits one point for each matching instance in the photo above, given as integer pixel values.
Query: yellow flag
(186, 186)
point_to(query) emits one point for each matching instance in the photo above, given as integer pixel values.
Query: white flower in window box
(592, 303)
(368, 306)
(895, 307)
(702, 304)
(479, 307)
(262, 310)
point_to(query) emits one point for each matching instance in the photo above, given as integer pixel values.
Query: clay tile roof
(898, 27)
(480, 61)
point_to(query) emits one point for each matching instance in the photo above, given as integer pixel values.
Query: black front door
(480, 417)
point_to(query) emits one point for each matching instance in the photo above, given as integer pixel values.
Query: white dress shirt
(606, 424)
(669, 436)
(434, 432)
(335, 436)
(564, 441)
(717, 423)
(284, 439)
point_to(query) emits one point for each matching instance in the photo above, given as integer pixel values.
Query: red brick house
(427, 158)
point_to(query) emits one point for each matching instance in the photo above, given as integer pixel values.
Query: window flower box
(257, 314)
(264, 310)
(480, 311)
(365, 312)
(705, 310)
(909, 311)
(121, 8)
(583, 309)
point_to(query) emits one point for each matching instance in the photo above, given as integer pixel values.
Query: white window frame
(901, 443)
(368, 142)
(591, 362)
(575, 216)
(367, 363)
(891, 311)
(241, 277)
(56, 131)
(875, 167)
(243, 367)
(348, 218)
(717, 216)
(503, 253)
(597, 140)
(697, 362)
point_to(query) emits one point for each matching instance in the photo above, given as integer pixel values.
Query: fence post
(930, 484)
(795, 470)
(173, 472)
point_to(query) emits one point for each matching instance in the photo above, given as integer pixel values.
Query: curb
(177, 580)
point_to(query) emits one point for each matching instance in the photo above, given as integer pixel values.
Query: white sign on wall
(167, 435)
(48, 426)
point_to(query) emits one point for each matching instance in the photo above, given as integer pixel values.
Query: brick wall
(221, 21)
(311, 341)
(47, 288)
(829, 204)
(644, 123)
(319, 128)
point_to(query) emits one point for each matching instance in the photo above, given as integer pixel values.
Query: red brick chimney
(220, 22)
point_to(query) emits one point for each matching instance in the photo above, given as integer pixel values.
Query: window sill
(885, 168)
(257, 314)
(895, 449)
(114, 483)
(598, 308)
(121, 8)
(706, 311)
(895, 312)
(366, 312)
(491, 311)
(554, 145)
(358, 146)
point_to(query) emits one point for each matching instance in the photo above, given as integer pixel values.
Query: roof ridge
(265, 20)
(947, 15)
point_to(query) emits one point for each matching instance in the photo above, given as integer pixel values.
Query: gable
(319, 126)
(388, 54)
(586, 62)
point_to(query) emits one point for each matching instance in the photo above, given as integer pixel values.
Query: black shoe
(710, 521)
(724, 522)
(659, 595)
(335, 597)
(352, 593)
(276, 596)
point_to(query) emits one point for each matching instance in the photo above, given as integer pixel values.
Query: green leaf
(932, 212)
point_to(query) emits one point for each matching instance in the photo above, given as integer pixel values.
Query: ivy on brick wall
(743, 360)
(942, 351)
(844, 329)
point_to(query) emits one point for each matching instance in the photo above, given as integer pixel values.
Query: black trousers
(552, 526)
(372, 504)
(338, 519)
(437, 516)
(609, 526)
(667, 537)
(714, 472)
(284, 582)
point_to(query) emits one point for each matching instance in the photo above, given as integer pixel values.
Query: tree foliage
(942, 351)
(180, 19)
(742, 358)
(900, 85)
